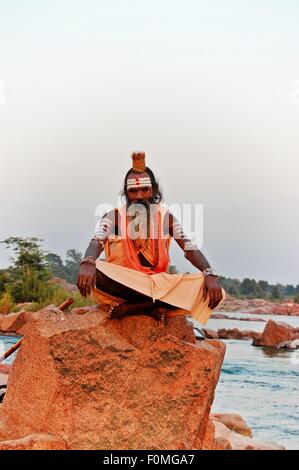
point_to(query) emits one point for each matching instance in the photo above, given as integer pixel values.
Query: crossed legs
(136, 303)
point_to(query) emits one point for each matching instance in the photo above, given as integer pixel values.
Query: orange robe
(184, 291)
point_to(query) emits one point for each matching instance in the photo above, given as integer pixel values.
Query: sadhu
(135, 277)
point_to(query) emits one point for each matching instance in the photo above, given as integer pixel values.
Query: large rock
(226, 439)
(275, 333)
(95, 383)
(15, 321)
(234, 422)
(235, 333)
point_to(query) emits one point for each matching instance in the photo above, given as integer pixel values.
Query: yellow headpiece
(138, 162)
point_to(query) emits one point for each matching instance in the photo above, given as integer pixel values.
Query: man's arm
(196, 257)
(87, 274)
(107, 225)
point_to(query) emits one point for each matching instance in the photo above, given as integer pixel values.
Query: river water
(260, 384)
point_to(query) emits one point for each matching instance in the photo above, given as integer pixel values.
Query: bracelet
(88, 259)
(210, 272)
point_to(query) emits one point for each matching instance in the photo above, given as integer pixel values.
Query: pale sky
(208, 89)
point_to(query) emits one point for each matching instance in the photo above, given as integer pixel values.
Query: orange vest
(119, 249)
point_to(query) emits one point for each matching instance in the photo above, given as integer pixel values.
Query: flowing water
(260, 384)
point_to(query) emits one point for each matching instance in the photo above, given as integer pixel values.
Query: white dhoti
(184, 291)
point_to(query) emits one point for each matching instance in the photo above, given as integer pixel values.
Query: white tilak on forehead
(138, 182)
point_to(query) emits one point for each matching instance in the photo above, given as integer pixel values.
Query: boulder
(96, 383)
(275, 333)
(234, 422)
(212, 334)
(15, 321)
(226, 439)
(235, 333)
(294, 344)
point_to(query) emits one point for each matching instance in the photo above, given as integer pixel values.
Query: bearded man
(134, 278)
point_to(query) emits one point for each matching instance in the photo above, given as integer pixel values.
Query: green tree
(56, 265)
(29, 272)
(3, 281)
(275, 293)
(264, 286)
(72, 265)
(248, 287)
(296, 299)
(289, 289)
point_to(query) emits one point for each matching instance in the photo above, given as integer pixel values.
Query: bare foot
(117, 310)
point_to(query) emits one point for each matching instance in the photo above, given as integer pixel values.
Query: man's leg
(136, 302)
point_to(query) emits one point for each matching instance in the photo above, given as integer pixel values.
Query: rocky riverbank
(132, 383)
(259, 306)
(276, 335)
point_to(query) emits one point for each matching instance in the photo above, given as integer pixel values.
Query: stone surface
(96, 383)
(275, 333)
(259, 306)
(234, 422)
(34, 442)
(235, 333)
(226, 439)
(15, 321)
(212, 334)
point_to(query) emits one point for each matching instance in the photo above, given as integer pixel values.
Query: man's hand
(86, 278)
(212, 286)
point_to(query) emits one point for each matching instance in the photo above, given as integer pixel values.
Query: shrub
(6, 304)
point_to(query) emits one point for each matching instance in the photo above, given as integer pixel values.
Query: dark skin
(89, 275)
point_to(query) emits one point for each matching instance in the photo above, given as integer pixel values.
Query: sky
(209, 90)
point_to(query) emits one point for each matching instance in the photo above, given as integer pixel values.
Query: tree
(3, 281)
(248, 287)
(264, 286)
(275, 293)
(72, 265)
(56, 265)
(289, 289)
(29, 272)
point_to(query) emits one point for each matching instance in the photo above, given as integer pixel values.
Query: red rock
(15, 321)
(212, 334)
(227, 439)
(274, 333)
(112, 384)
(234, 422)
(209, 437)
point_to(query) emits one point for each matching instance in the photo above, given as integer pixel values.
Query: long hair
(157, 190)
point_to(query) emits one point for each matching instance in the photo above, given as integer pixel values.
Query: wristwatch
(210, 272)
